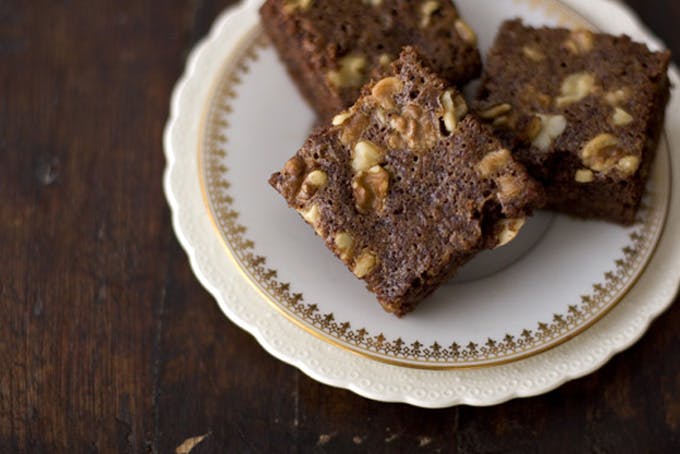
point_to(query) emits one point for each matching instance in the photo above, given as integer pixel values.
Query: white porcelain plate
(500, 329)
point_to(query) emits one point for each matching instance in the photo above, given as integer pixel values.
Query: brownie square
(583, 111)
(331, 48)
(404, 187)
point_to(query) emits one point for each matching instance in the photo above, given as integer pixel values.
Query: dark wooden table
(108, 342)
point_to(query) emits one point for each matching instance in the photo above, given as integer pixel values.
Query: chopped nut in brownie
(583, 111)
(404, 187)
(331, 48)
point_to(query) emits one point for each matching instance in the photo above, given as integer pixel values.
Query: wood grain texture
(108, 343)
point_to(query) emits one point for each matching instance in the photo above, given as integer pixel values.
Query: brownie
(405, 187)
(331, 48)
(583, 111)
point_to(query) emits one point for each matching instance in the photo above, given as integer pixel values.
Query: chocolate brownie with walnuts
(582, 110)
(331, 48)
(405, 187)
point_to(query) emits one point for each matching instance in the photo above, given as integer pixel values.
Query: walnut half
(385, 91)
(603, 154)
(370, 189)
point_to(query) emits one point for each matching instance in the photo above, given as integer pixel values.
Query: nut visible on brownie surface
(620, 117)
(364, 264)
(344, 242)
(575, 87)
(493, 162)
(366, 155)
(455, 108)
(292, 5)
(427, 8)
(584, 176)
(385, 90)
(603, 154)
(404, 218)
(579, 41)
(586, 118)
(496, 111)
(311, 214)
(551, 127)
(533, 53)
(370, 189)
(314, 181)
(415, 126)
(466, 32)
(351, 71)
(331, 48)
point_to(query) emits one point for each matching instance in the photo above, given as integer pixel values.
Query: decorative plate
(553, 305)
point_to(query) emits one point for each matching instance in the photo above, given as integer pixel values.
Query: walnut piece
(552, 126)
(580, 42)
(341, 118)
(617, 97)
(584, 176)
(454, 109)
(574, 88)
(533, 53)
(628, 165)
(465, 32)
(366, 155)
(621, 117)
(415, 128)
(295, 167)
(344, 243)
(351, 72)
(314, 181)
(352, 128)
(533, 128)
(603, 154)
(292, 5)
(507, 230)
(495, 111)
(370, 189)
(385, 90)
(317, 178)
(493, 162)
(365, 263)
(426, 10)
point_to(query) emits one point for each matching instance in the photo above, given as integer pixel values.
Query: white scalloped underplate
(332, 365)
